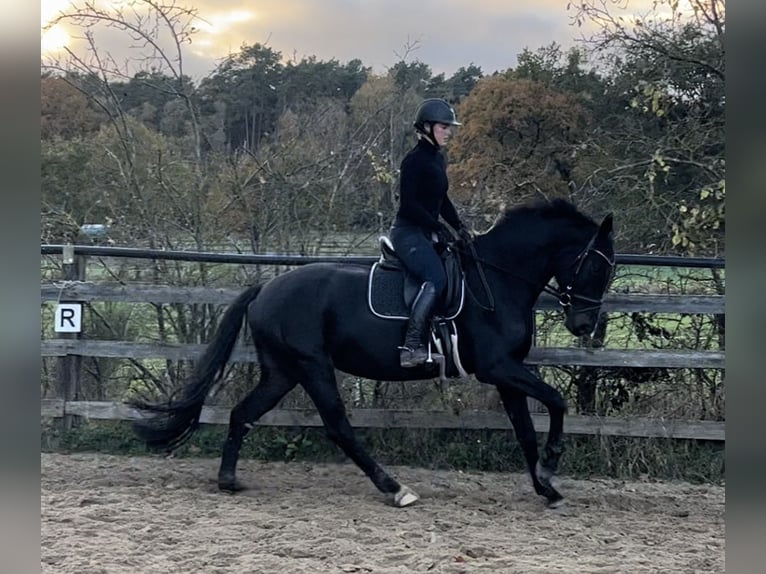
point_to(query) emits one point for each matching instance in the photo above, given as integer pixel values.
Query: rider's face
(442, 133)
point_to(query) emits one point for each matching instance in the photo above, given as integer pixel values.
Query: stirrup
(409, 357)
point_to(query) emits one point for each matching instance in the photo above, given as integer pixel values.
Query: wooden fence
(69, 349)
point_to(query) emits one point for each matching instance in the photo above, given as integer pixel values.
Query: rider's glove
(444, 235)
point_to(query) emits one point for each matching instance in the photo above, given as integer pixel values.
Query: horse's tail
(174, 422)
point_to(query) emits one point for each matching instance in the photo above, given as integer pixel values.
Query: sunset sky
(448, 33)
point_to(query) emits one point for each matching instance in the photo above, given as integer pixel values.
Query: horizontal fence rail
(273, 259)
(75, 291)
(424, 419)
(548, 356)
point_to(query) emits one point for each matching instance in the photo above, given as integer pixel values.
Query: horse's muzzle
(582, 323)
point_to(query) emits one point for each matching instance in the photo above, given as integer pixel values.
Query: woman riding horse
(422, 198)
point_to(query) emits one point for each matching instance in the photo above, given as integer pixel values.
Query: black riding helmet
(434, 110)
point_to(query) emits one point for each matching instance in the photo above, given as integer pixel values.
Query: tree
(414, 75)
(160, 32)
(517, 137)
(323, 172)
(64, 110)
(384, 109)
(658, 151)
(462, 82)
(68, 195)
(149, 94)
(246, 83)
(156, 190)
(255, 88)
(312, 80)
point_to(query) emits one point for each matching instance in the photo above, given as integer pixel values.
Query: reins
(483, 279)
(565, 296)
(480, 261)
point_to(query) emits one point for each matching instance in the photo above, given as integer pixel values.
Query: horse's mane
(557, 208)
(523, 225)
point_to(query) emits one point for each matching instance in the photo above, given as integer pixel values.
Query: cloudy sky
(447, 34)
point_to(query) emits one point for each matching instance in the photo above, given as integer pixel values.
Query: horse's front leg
(515, 404)
(514, 382)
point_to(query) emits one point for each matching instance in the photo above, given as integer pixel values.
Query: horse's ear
(606, 226)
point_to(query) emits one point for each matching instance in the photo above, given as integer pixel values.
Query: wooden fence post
(68, 367)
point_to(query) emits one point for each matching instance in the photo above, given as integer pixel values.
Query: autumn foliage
(64, 110)
(517, 143)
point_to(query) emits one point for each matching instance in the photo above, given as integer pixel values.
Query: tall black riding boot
(414, 352)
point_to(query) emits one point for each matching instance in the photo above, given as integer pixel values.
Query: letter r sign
(68, 318)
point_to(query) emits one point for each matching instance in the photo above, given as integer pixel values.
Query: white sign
(68, 318)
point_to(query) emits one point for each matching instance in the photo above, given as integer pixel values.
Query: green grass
(666, 280)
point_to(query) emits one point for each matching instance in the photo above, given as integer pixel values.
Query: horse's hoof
(231, 486)
(555, 502)
(405, 497)
(547, 488)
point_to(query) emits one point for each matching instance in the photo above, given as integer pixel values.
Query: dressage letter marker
(68, 318)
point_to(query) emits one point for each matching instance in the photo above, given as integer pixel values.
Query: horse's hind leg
(515, 404)
(272, 386)
(321, 386)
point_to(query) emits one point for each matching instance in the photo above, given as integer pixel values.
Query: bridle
(565, 296)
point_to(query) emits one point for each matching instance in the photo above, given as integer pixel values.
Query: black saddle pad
(386, 298)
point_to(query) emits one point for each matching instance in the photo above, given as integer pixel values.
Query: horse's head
(583, 283)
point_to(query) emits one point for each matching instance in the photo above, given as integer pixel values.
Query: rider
(422, 198)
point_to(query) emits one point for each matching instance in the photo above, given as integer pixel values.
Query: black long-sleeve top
(423, 186)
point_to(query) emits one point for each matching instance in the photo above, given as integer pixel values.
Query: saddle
(392, 290)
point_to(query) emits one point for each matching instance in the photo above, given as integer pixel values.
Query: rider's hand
(443, 235)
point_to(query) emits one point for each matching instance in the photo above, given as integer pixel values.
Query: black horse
(314, 319)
